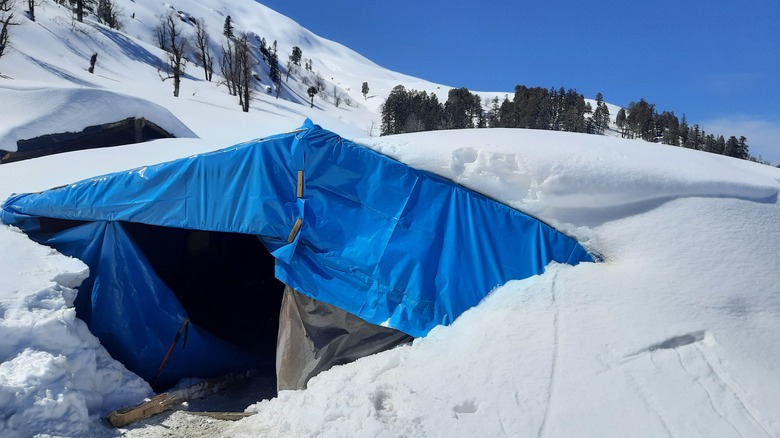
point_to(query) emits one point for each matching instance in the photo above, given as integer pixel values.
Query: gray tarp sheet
(314, 336)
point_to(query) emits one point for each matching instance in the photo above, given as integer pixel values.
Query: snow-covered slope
(56, 50)
(672, 334)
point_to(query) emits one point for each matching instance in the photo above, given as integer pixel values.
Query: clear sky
(717, 61)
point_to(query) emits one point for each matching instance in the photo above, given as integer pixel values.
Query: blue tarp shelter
(391, 244)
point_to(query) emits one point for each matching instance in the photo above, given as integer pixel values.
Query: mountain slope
(56, 50)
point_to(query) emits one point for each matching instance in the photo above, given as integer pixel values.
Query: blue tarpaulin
(391, 244)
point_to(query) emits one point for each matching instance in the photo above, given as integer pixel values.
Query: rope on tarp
(182, 329)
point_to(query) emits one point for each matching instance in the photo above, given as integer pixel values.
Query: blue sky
(716, 61)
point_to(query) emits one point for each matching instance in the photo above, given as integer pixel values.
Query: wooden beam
(168, 400)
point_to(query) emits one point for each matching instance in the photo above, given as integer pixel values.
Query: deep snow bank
(55, 377)
(571, 179)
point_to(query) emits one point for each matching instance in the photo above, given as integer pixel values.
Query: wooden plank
(227, 416)
(168, 400)
(295, 229)
(300, 184)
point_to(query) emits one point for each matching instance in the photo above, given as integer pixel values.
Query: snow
(74, 108)
(55, 377)
(673, 333)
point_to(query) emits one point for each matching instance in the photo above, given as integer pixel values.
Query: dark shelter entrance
(224, 281)
(225, 286)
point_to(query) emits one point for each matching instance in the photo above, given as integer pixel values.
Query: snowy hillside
(56, 50)
(674, 333)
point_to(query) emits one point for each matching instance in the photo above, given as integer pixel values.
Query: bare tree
(203, 54)
(6, 21)
(169, 35)
(237, 69)
(336, 96)
(319, 82)
(227, 66)
(289, 69)
(244, 75)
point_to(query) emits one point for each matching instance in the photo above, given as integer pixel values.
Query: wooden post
(295, 229)
(300, 184)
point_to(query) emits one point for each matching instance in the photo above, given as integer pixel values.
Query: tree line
(549, 109)
(534, 108)
(641, 120)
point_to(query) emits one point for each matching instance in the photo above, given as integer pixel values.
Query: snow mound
(55, 377)
(72, 110)
(578, 179)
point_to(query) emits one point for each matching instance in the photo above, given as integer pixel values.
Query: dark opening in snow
(224, 281)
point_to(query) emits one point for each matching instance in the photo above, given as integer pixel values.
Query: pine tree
(312, 91)
(620, 121)
(493, 118)
(732, 147)
(683, 131)
(605, 117)
(710, 143)
(394, 111)
(742, 148)
(720, 145)
(296, 55)
(667, 128)
(274, 74)
(694, 139)
(227, 30)
(461, 109)
(600, 117)
(293, 61)
(507, 116)
(640, 119)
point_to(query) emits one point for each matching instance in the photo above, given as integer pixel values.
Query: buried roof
(396, 246)
(127, 131)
